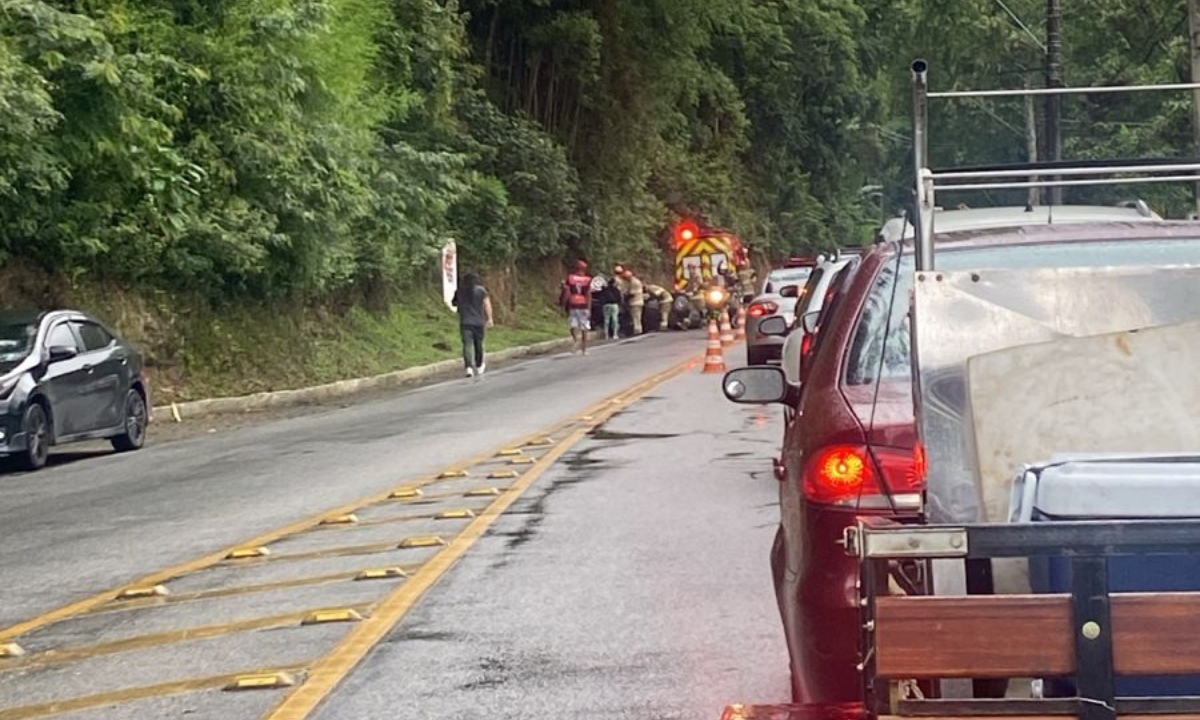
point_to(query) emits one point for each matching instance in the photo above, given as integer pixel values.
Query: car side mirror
(809, 321)
(62, 352)
(775, 326)
(790, 291)
(757, 386)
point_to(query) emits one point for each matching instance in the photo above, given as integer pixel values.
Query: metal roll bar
(928, 181)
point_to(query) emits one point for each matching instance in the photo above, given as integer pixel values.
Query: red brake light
(762, 308)
(920, 463)
(806, 344)
(846, 474)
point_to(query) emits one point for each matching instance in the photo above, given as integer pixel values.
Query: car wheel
(136, 418)
(755, 356)
(37, 438)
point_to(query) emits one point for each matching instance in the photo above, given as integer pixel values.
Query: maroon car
(851, 447)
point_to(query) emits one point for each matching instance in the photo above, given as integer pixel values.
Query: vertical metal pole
(920, 85)
(1092, 616)
(1193, 12)
(1054, 79)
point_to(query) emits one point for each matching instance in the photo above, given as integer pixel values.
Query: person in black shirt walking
(474, 316)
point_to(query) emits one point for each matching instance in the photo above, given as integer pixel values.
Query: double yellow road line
(324, 675)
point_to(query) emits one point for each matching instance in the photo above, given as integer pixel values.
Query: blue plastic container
(1100, 489)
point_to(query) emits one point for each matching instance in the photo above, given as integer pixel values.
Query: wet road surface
(631, 582)
(628, 577)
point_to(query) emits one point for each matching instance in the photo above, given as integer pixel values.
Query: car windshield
(16, 342)
(881, 346)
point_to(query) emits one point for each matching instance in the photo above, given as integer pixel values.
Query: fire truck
(705, 252)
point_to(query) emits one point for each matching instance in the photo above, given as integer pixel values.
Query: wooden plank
(975, 636)
(1155, 633)
(984, 636)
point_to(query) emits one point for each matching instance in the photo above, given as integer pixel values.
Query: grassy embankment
(194, 351)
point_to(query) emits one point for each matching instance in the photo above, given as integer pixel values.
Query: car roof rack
(1068, 173)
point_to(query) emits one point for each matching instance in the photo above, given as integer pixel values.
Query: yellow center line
(192, 566)
(329, 672)
(70, 655)
(217, 593)
(29, 712)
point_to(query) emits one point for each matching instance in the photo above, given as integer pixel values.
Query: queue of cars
(781, 290)
(850, 442)
(66, 377)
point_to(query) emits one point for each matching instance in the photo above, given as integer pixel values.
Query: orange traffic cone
(741, 328)
(714, 359)
(726, 330)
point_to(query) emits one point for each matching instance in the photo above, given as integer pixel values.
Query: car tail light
(848, 475)
(761, 309)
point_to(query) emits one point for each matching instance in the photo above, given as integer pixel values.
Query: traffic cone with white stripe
(726, 330)
(741, 328)
(714, 359)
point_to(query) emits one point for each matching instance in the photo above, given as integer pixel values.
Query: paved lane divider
(335, 667)
(308, 577)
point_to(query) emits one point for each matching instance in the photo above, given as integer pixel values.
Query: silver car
(812, 300)
(780, 292)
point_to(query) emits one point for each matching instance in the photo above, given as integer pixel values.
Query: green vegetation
(218, 160)
(198, 352)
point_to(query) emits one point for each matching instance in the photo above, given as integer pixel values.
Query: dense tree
(298, 148)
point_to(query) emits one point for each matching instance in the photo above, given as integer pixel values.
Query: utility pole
(1194, 31)
(1054, 79)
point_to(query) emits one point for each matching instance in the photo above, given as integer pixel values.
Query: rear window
(94, 336)
(880, 348)
(779, 278)
(806, 297)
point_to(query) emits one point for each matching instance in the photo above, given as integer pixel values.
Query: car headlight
(7, 385)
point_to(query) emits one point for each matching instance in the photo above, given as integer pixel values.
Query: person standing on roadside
(474, 306)
(577, 290)
(610, 298)
(637, 299)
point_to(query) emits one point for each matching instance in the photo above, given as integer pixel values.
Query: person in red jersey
(577, 300)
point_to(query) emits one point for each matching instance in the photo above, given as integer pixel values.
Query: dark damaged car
(66, 377)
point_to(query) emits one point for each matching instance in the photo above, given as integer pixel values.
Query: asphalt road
(629, 581)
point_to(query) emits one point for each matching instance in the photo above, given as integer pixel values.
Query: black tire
(756, 356)
(136, 418)
(37, 438)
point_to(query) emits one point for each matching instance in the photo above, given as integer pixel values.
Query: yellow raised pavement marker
(458, 514)
(136, 593)
(263, 681)
(381, 574)
(348, 519)
(244, 553)
(405, 493)
(329, 616)
(421, 542)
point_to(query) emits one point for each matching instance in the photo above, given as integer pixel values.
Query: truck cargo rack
(1089, 633)
(1061, 173)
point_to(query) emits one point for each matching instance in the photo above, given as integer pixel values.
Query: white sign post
(449, 273)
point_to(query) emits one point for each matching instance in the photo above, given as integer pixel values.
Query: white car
(781, 292)
(811, 301)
